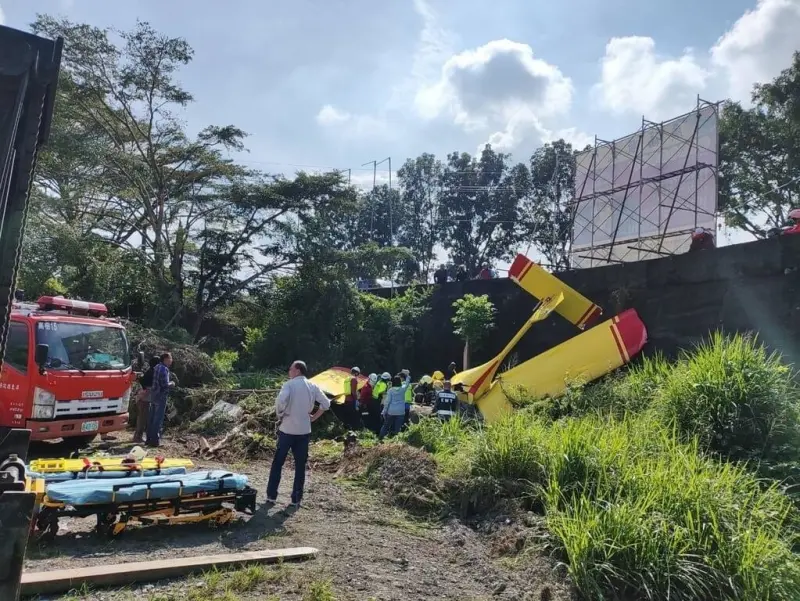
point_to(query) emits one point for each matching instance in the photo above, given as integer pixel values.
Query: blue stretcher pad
(90, 492)
(108, 474)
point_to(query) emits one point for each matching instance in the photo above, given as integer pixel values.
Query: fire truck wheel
(76, 443)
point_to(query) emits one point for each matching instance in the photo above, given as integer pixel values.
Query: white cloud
(351, 125)
(499, 82)
(635, 79)
(758, 46)
(434, 46)
(330, 115)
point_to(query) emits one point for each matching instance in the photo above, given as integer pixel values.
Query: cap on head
(452, 364)
(373, 378)
(386, 376)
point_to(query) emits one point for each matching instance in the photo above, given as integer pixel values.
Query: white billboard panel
(651, 184)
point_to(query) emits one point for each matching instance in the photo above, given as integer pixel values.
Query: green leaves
(760, 156)
(474, 318)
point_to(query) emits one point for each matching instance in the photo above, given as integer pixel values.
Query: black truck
(29, 68)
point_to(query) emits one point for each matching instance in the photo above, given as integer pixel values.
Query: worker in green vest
(379, 396)
(379, 390)
(351, 398)
(409, 395)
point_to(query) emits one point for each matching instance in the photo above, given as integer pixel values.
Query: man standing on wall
(158, 400)
(295, 403)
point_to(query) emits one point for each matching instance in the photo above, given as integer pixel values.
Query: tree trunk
(466, 355)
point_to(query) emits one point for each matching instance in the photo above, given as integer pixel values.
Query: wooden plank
(62, 581)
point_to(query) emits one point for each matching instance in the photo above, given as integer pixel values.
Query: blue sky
(338, 83)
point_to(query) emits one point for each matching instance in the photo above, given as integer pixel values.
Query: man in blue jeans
(158, 400)
(294, 408)
(394, 411)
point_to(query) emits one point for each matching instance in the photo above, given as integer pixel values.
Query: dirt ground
(368, 550)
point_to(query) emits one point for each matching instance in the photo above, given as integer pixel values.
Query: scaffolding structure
(641, 196)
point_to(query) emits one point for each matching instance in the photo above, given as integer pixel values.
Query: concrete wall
(746, 287)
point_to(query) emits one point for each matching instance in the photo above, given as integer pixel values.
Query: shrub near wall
(739, 400)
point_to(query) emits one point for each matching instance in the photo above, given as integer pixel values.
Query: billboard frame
(653, 244)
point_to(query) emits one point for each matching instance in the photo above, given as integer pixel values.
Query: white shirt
(295, 404)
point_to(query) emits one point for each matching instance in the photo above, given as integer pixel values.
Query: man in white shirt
(294, 408)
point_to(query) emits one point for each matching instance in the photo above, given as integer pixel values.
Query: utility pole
(391, 225)
(372, 200)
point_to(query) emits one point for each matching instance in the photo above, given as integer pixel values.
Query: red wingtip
(518, 266)
(632, 331)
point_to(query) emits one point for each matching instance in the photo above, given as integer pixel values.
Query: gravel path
(368, 550)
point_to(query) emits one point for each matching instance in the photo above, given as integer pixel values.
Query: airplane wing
(576, 308)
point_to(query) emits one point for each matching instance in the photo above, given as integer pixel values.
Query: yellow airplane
(591, 354)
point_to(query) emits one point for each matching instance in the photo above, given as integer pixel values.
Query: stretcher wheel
(46, 525)
(108, 524)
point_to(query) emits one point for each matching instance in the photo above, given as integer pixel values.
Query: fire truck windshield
(83, 346)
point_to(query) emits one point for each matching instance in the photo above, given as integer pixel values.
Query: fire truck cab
(68, 371)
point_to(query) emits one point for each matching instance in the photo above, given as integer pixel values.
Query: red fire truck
(67, 372)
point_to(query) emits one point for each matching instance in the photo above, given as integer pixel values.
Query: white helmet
(386, 376)
(373, 379)
(355, 370)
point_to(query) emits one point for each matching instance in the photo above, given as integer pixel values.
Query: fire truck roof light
(77, 307)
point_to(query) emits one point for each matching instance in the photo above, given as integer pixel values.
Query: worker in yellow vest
(379, 390)
(405, 375)
(379, 397)
(351, 398)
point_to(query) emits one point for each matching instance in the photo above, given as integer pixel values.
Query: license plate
(91, 394)
(90, 426)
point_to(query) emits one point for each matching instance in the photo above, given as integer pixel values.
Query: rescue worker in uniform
(452, 370)
(409, 395)
(379, 396)
(365, 402)
(422, 391)
(446, 402)
(351, 397)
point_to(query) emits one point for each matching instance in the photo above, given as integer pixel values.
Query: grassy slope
(641, 479)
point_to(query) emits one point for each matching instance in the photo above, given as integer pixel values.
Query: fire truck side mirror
(40, 355)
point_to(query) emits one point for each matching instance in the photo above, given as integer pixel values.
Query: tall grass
(638, 514)
(739, 400)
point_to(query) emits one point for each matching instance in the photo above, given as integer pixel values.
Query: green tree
(479, 207)
(126, 100)
(546, 211)
(419, 180)
(760, 156)
(473, 320)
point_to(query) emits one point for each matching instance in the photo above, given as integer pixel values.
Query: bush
(190, 365)
(621, 393)
(225, 360)
(737, 399)
(637, 514)
(436, 436)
